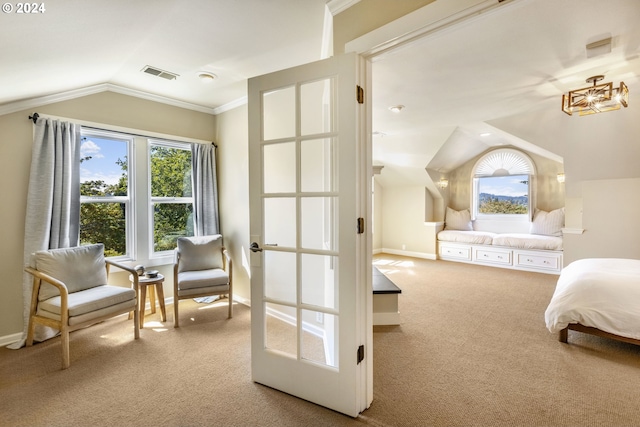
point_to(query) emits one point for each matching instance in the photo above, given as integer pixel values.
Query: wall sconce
(443, 183)
(560, 177)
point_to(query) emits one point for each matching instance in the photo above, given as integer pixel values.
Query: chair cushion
(79, 268)
(89, 300)
(200, 253)
(203, 279)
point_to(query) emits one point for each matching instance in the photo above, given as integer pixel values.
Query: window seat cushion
(471, 237)
(528, 241)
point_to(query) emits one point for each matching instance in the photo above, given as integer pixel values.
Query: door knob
(254, 247)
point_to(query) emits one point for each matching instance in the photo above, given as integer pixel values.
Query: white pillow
(548, 223)
(200, 253)
(458, 220)
(79, 268)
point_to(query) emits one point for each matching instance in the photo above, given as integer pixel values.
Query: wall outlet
(320, 317)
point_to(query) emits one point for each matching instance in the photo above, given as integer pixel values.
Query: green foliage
(105, 222)
(495, 206)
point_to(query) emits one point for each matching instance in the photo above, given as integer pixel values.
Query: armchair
(202, 268)
(70, 292)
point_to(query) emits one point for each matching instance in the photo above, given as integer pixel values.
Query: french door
(309, 178)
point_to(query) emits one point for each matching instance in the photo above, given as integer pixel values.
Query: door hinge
(360, 354)
(360, 94)
(360, 226)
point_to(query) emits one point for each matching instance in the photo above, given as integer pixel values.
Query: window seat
(521, 251)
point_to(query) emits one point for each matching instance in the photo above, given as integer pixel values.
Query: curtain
(205, 189)
(53, 202)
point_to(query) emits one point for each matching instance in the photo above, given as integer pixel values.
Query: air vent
(159, 73)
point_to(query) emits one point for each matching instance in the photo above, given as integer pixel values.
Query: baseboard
(409, 254)
(9, 339)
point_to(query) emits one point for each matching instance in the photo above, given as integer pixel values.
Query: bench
(385, 300)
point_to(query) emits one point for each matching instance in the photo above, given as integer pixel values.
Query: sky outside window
(103, 153)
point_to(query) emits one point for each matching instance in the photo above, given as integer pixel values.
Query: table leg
(160, 293)
(152, 298)
(143, 300)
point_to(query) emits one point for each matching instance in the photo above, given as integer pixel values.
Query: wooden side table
(144, 282)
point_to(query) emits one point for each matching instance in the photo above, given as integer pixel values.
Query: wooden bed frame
(563, 335)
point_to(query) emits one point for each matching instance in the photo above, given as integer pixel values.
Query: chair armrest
(49, 279)
(124, 267)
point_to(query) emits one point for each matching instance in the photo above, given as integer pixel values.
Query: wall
(366, 16)
(233, 181)
(403, 229)
(601, 155)
(550, 194)
(16, 138)
(378, 217)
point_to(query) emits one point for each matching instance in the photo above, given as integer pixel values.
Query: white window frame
(153, 200)
(521, 164)
(128, 200)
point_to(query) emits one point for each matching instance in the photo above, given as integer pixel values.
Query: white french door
(309, 177)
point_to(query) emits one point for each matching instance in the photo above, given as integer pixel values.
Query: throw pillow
(458, 220)
(548, 223)
(200, 253)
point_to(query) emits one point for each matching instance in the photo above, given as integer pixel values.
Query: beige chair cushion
(79, 268)
(200, 253)
(203, 279)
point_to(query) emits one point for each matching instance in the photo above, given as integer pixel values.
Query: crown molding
(337, 6)
(31, 103)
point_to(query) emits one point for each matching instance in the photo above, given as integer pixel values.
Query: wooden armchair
(70, 292)
(202, 268)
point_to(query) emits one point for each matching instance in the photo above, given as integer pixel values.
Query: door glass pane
(280, 276)
(279, 168)
(319, 341)
(281, 330)
(316, 113)
(319, 280)
(318, 222)
(279, 113)
(280, 221)
(317, 165)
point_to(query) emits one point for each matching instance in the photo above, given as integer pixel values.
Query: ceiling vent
(159, 73)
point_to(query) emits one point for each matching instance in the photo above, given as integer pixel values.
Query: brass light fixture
(598, 98)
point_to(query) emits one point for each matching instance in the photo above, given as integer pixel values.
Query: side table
(143, 282)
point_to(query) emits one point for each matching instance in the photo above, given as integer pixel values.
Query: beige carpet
(472, 349)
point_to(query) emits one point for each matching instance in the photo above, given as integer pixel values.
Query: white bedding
(603, 293)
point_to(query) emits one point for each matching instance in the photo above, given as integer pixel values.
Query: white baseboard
(9, 339)
(411, 254)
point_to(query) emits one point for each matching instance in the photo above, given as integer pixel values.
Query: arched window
(502, 185)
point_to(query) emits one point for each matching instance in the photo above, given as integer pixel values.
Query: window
(502, 185)
(135, 195)
(171, 196)
(105, 192)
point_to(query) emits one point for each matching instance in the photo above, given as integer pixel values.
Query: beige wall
(16, 137)
(366, 16)
(233, 181)
(403, 213)
(549, 192)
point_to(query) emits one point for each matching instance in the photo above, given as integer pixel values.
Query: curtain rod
(35, 116)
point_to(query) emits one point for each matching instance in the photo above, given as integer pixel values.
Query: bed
(599, 296)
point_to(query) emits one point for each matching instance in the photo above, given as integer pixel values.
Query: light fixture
(595, 99)
(443, 183)
(396, 108)
(560, 177)
(206, 76)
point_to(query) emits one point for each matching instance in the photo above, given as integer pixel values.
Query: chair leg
(176, 323)
(230, 305)
(64, 336)
(31, 329)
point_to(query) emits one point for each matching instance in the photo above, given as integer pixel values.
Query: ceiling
(78, 44)
(518, 57)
